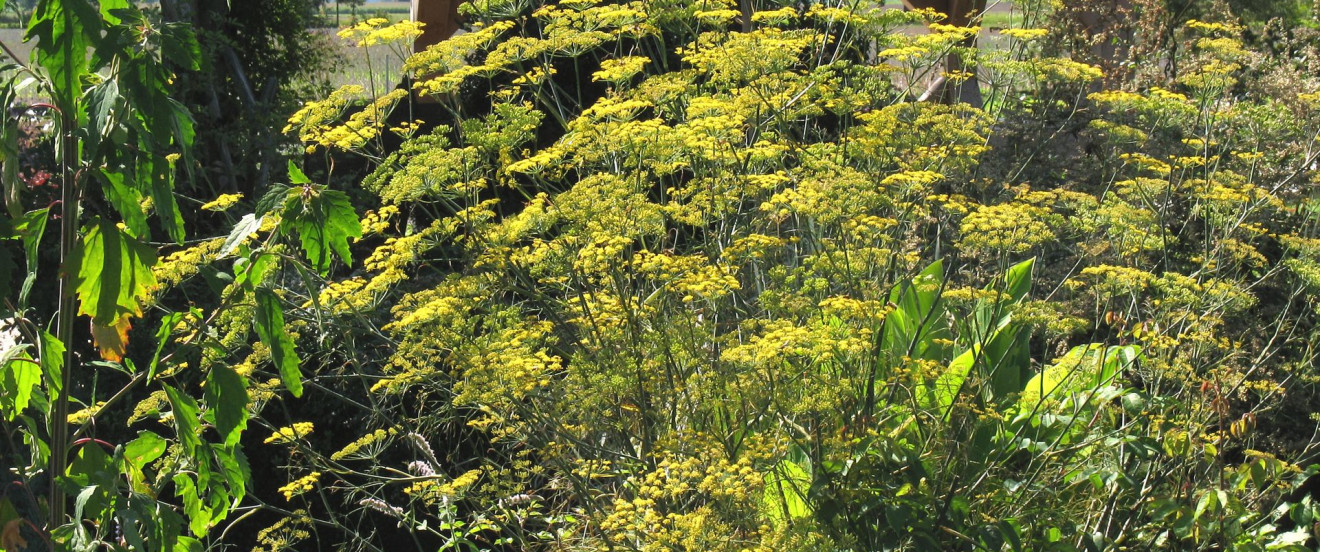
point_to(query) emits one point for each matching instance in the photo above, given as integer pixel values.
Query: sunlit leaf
(114, 278)
(269, 324)
(324, 220)
(226, 395)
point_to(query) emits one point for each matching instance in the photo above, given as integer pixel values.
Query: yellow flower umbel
(300, 485)
(290, 434)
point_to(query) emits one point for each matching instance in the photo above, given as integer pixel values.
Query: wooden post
(958, 13)
(441, 19)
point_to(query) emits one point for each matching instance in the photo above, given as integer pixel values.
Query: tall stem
(59, 425)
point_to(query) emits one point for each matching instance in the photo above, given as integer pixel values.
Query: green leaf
(108, 7)
(324, 220)
(234, 468)
(52, 363)
(101, 103)
(31, 227)
(270, 328)
(145, 449)
(199, 516)
(64, 30)
(19, 376)
(226, 395)
(296, 175)
(942, 394)
(162, 198)
(114, 279)
(126, 199)
(185, 420)
(246, 226)
(179, 46)
(785, 495)
(1017, 282)
(918, 319)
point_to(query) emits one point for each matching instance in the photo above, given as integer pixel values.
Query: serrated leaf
(31, 227)
(125, 198)
(246, 226)
(226, 395)
(324, 220)
(101, 102)
(114, 279)
(296, 175)
(19, 376)
(234, 468)
(145, 449)
(185, 419)
(269, 324)
(273, 199)
(179, 46)
(64, 31)
(52, 363)
(199, 516)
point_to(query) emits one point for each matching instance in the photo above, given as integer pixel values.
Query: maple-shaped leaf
(114, 279)
(323, 218)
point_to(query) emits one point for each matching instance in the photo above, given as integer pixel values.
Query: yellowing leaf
(111, 339)
(114, 279)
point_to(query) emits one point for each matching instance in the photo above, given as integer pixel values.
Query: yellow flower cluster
(1005, 228)
(432, 491)
(290, 434)
(372, 442)
(186, 263)
(1110, 281)
(285, 533)
(617, 70)
(378, 30)
(1025, 34)
(300, 485)
(222, 203)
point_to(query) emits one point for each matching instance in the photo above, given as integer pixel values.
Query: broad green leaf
(324, 220)
(145, 449)
(179, 46)
(1017, 282)
(162, 198)
(126, 199)
(1083, 368)
(785, 494)
(246, 226)
(114, 279)
(918, 319)
(19, 376)
(109, 7)
(102, 102)
(185, 419)
(269, 324)
(227, 397)
(64, 30)
(273, 199)
(31, 227)
(234, 467)
(131, 517)
(199, 515)
(296, 176)
(249, 273)
(944, 391)
(52, 363)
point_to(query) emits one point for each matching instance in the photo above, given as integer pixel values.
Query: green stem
(59, 427)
